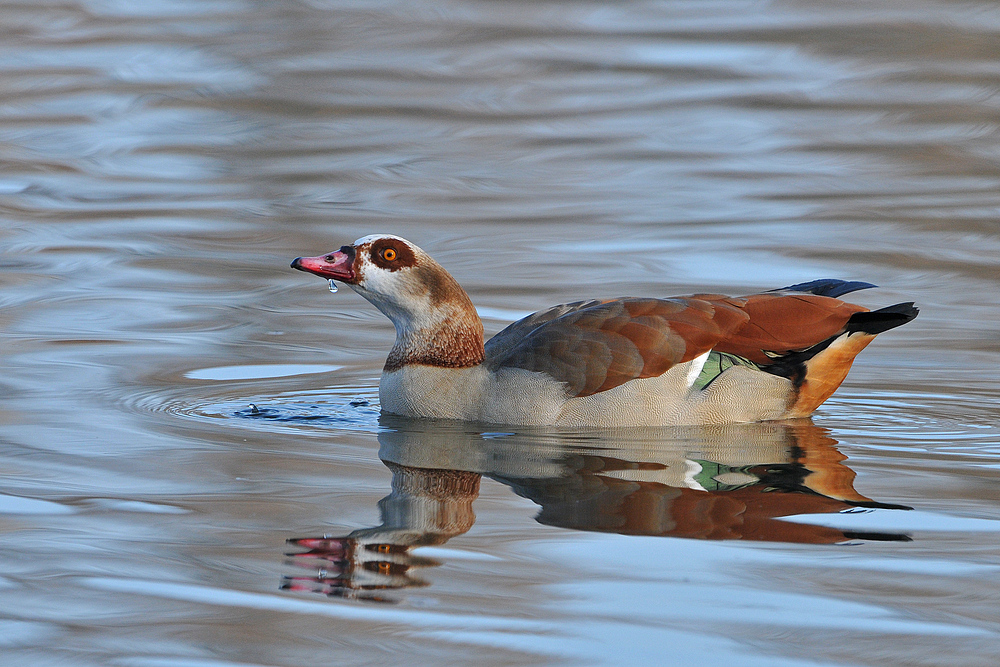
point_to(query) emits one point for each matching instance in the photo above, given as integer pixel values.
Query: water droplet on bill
(333, 287)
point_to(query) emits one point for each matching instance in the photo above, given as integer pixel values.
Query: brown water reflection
(714, 483)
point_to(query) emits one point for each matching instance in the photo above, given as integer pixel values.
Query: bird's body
(701, 359)
(519, 397)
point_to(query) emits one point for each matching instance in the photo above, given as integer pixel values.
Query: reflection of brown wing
(743, 514)
(782, 322)
(605, 504)
(596, 346)
(598, 503)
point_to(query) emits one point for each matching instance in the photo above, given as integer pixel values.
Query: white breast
(509, 396)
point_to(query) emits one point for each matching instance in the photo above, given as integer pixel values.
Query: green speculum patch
(716, 364)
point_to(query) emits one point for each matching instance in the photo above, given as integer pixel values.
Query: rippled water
(177, 403)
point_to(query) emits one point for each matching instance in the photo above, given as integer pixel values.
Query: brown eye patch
(392, 254)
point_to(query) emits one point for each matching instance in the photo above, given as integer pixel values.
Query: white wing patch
(694, 370)
(691, 471)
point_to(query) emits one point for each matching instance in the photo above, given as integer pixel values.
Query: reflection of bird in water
(425, 508)
(717, 483)
(701, 359)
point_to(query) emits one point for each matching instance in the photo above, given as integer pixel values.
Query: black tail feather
(877, 536)
(874, 504)
(883, 319)
(828, 287)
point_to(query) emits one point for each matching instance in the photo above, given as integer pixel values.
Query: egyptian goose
(700, 359)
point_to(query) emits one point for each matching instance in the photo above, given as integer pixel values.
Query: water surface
(162, 162)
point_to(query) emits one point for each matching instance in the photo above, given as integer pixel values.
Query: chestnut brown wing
(783, 322)
(507, 339)
(594, 346)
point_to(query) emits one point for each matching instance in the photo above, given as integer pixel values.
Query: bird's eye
(388, 254)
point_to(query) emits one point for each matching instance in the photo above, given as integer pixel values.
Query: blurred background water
(162, 161)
